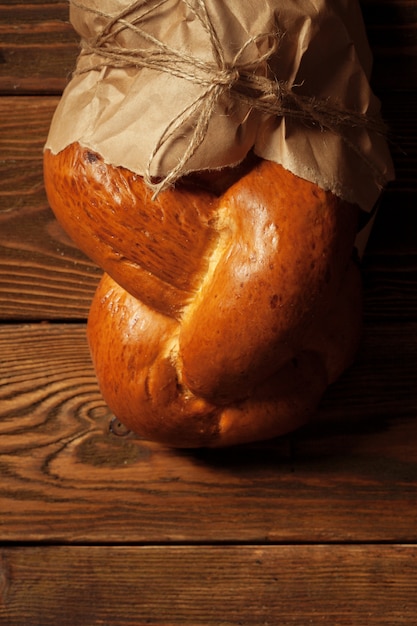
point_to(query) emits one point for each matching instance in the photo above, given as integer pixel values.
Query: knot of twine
(236, 80)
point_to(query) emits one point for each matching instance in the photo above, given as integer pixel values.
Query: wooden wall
(316, 528)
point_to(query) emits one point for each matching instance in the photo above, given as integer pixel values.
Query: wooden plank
(389, 266)
(397, 110)
(350, 476)
(392, 31)
(285, 585)
(39, 46)
(42, 273)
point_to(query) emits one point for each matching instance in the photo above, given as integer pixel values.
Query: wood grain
(350, 476)
(39, 46)
(392, 32)
(42, 273)
(99, 527)
(285, 585)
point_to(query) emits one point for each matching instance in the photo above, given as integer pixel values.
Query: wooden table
(98, 528)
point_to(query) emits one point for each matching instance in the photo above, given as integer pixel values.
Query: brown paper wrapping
(322, 53)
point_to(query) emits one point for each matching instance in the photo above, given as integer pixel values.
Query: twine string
(237, 81)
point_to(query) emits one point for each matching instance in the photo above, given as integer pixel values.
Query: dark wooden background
(316, 528)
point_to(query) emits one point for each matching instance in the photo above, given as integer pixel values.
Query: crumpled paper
(322, 53)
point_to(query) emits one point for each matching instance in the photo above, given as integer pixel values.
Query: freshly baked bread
(228, 304)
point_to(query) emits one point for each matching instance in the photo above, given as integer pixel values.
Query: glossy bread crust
(228, 304)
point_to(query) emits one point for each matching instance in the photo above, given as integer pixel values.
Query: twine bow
(239, 81)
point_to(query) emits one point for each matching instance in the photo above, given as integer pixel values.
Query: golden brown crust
(155, 249)
(134, 351)
(224, 314)
(283, 251)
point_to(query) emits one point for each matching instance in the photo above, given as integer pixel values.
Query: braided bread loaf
(228, 304)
